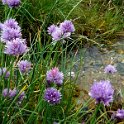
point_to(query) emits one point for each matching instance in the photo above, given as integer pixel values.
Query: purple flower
(52, 29)
(4, 2)
(63, 31)
(54, 75)
(52, 96)
(6, 92)
(4, 72)
(21, 96)
(24, 66)
(1, 26)
(110, 69)
(57, 34)
(67, 26)
(11, 23)
(10, 30)
(11, 3)
(9, 34)
(16, 47)
(13, 93)
(120, 114)
(102, 91)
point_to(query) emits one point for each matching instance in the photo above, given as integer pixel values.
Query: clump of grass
(33, 108)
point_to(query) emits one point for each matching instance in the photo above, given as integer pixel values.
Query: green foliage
(95, 21)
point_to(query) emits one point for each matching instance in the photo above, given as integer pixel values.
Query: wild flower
(51, 29)
(110, 69)
(1, 26)
(11, 23)
(6, 92)
(11, 3)
(119, 114)
(13, 93)
(10, 30)
(54, 75)
(16, 47)
(67, 26)
(62, 31)
(52, 96)
(4, 2)
(24, 66)
(4, 72)
(57, 34)
(21, 96)
(102, 91)
(9, 34)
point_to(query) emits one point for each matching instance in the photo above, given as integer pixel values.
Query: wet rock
(120, 68)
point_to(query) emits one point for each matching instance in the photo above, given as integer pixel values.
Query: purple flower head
(52, 29)
(9, 34)
(102, 91)
(54, 75)
(6, 92)
(24, 66)
(1, 26)
(13, 93)
(57, 34)
(119, 114)
(11, 23)
(21, 96)
(16, 47)
(52, 96)
(67, 26)
(4, 2)
(11, 3)
(3, 71)
(110, 69)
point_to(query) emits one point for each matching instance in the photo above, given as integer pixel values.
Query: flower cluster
(12, 93)
(24, 66)
(55, 76)
(11, 35)
(52, 96)
(16, 47)
(4, 72)
(110, 69)
(102, 91)
(120, 114)
(64, 30)
(11, 3)
(10, 30)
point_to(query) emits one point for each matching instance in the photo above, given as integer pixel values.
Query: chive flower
(67, 26)
(119, 114)
(10, 30)
(102, 92)
(55, 76)
(6, 92)
(110, 69)
(62, 31)
(11, 3)
(52, 96)
(24, 66)
(16, 47)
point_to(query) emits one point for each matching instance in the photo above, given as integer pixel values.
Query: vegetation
(96, 23)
